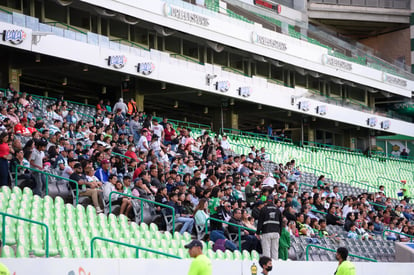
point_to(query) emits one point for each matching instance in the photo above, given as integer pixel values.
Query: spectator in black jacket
(269, 228)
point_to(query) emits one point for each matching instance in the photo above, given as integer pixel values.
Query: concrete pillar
(139, 99)
(234, 120)
(412, 36)
(14, 78)
(311, 133)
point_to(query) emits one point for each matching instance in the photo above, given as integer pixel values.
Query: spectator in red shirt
(20, 128)
(131, 152)
(4, 156)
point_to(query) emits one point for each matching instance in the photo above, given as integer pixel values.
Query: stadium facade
(303, 67)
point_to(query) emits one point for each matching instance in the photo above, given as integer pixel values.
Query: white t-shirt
(156, 146)
(225, 145)
(158, 130)
(143, 141)
(37, 157)
(67, 172)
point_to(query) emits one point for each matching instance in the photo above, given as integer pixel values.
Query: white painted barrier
(179, 267)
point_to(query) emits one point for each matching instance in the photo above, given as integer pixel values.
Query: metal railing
(400, 4)
(137, 248)
(130, 43)
(142, 200)
(398, 233)
(342, 162)
(88, 116)
(65, 26)
(363, 184)
(333, 250)
(239, 227)
(4, 215)
(314, 170)
(384, 178)
(329, 146)
(186, 58)
(47, 179)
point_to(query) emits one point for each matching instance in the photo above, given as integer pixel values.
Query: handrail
(137, 248)
(364, 184)
(325, 213)
(398, 233)
(342, 149)
(264, 137)
(68, 27)
(384, 178)
(342, 162)
(80, 103)
(232, 224)
(142, 206)
(93, 119)
(26, 220)
(233, 70)
(187, 58)
(131, 43)
(317, 170)
(404, 169)
(302, 183)
(6, 11)
(376, 204)
(392, 157)
(333, 250)
(120, 155)
(47, 179)
(188, 123)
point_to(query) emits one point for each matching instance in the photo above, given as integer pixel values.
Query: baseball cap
(193, 243)
(105, 161)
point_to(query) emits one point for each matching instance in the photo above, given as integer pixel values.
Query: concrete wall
(392, 45)
(175, 267)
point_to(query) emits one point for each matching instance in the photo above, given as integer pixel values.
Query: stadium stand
(72, 226)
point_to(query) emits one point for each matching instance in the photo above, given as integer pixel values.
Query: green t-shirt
(320, 184)
(213, 203)
(5, 271)
(346, 268)
(200, 266)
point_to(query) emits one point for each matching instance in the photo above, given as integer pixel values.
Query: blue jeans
(188, 224)
(40, 186)
(217, 234)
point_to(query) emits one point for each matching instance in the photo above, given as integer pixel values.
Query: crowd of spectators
(199, 176)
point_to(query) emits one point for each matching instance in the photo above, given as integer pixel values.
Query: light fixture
(37, 59)
(175, 104)
(65, 81)
(336, 123)
(199, 93)
(259, 106)
(103, 90)
(262, 121)
(205, 110)
(313, 118)
(289, 113)
(85, 68)
(231, 101)
(163, 85)
(126, 78)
